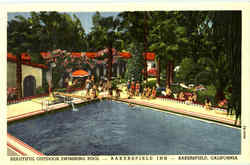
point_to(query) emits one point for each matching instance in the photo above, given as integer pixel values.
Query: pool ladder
(70, 102)
(45, 105)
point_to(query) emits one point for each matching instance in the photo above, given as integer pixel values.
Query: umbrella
(183, 85)
(80, 73)
(199, 88)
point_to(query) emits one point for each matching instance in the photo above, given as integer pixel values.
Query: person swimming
(131, 105)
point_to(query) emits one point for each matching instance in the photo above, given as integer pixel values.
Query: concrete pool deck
(34, 107)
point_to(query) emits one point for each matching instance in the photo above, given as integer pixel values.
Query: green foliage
(135, 65)
(104, 33)
(187, 71)
(177, 89)
(201, 95)
(167, 37)
(40, 90)
(151, 83)
(208, 93)
(45, 31)
(115, 83)
(61, 90)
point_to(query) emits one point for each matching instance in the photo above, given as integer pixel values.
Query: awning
(80, 73)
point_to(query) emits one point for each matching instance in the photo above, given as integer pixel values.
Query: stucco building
(32, 74)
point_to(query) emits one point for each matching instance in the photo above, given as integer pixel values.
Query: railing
(26, 99)
(45, 105)
(74, 89)
(38, 96)
(224, 110)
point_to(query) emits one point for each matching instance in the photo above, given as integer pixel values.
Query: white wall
(26, 71)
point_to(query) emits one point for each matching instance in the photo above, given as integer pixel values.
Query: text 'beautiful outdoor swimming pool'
(114, 128)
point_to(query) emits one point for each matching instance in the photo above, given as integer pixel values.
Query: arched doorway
(29, 86)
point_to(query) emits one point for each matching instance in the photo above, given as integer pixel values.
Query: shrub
(208, 93)
(61, 90)
(40, 90)
(151, 83)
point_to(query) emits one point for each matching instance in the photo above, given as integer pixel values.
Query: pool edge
(182, 112)
(20, 147)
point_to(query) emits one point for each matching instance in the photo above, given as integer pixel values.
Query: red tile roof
(25, 60)
(125, 55)
(150, 56)
(45, 55)
(24, 56)
(76, 54)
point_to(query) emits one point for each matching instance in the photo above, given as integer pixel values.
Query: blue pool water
(113, 128)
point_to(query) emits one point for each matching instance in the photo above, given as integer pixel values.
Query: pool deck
(34, 107)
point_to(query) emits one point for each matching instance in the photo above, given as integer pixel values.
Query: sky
(85, 17)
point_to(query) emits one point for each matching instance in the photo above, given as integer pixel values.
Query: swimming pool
(113, 128)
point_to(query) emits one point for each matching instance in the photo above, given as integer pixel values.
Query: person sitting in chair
(153, 95)
(148, 93)
(194, 97)
(181, 96)
(207, 104)
(130, 94)
(190, 99)
(94, 92)
(167, 92)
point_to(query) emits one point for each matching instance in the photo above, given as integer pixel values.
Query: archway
(29, 86)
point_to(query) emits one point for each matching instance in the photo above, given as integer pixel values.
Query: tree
(168, 39)
(135, 64)
(18, 42)
(216, 54)
(105, 33)
(58, 31)
(43, 31)
(187, 71)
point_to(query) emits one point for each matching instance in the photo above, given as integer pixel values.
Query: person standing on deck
(137, 88)
(88, 86)
(168, 91)
(133, 87)
(153, 95)
(207, 104)
(194, 97)
(181, 96)
(128, 86)
(93, 80)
